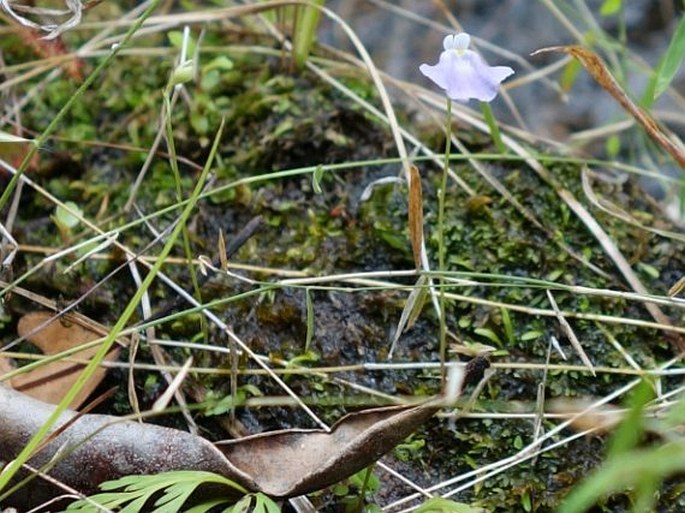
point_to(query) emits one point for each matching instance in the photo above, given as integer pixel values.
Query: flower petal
(466, 76)
(461, 41)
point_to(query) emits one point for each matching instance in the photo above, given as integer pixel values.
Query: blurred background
(401, 35)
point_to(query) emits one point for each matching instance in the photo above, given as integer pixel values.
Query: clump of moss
(486, 234)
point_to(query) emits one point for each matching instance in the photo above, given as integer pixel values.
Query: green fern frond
(130, 494)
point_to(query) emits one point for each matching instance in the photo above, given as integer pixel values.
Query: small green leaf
(258, 505)
(531, 335)
(206, 506)
(673, 59)
(340, 490)
(526, 501)
(649, 270)
(317, 175)
(489, 334)
(613, 146)
(243, 505)
(176, 40)
(464, 322)
(610, 7)
(219, 63)
(271, 506)
(554, 275)
(182, 73)
(570, 74)
(507, 325)
(310, 320)
(440, 505)
(65, 218)
(175, 496)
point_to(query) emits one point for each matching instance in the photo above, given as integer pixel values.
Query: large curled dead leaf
(94, 449)
(298, 461)
(97, 448)
(52, 335)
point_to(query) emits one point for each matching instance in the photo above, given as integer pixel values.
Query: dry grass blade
(599, 71)
(163, 402)
(677, 287)
(615, 210)
(566, 327)
(415, 214)
(583, 418)
(411, 311)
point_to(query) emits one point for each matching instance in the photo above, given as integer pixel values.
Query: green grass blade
(626, 471)
(672, 61)
(306, 33)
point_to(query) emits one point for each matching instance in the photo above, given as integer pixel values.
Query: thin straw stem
(441, 239)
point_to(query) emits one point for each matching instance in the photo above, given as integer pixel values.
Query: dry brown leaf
(568, 331)
(53, 335)
(295, 462)
(415, 214)
(599, 71)
(97, 448)
(5, 366)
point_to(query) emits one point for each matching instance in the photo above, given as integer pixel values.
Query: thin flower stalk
(463, 75)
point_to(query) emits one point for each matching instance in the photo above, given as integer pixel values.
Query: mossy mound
(275, 121)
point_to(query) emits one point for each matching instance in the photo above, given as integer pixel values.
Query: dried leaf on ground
(98, 448)
(52, 335)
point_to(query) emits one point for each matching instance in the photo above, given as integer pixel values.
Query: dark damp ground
(278, 120)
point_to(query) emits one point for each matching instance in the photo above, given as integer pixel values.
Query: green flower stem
(169, 101)
(494, 127)
(441, 239)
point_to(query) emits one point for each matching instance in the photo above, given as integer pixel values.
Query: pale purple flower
(463, 74)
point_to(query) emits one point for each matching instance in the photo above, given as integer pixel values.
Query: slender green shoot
(441, 239)
(489, 116)
(304, 33)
